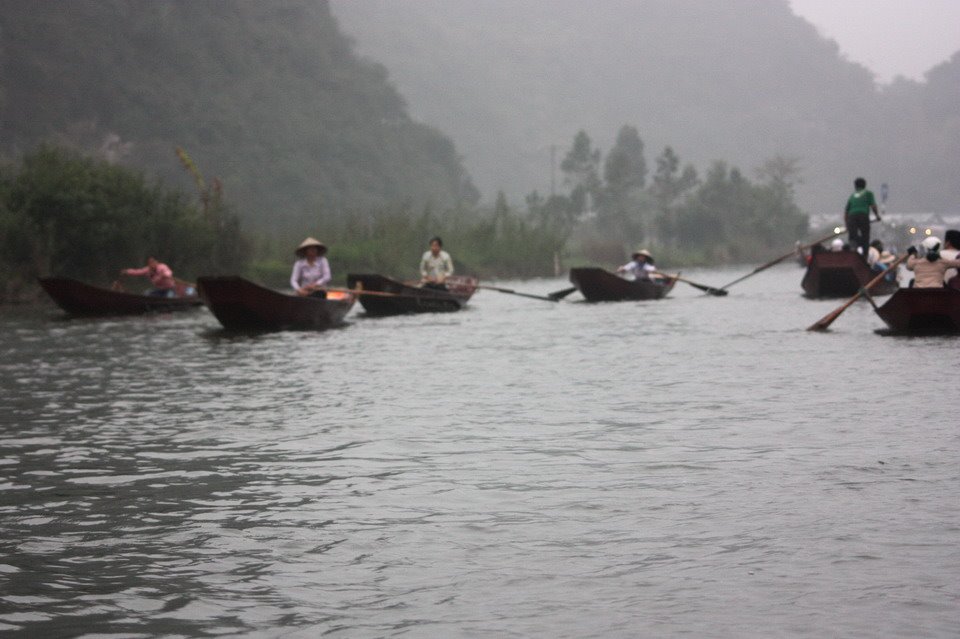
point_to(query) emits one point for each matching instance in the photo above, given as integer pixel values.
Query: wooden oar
(513, 292)
(782, 258)
(562, 293)
(360, 291)
(719, 292)
(823, 323)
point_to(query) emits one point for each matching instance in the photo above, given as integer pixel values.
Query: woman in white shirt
(311, 272)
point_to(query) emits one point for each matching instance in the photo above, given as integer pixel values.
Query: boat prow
(922, 311)
(841, 274)
(241, 305)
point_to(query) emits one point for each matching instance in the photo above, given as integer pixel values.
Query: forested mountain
(741, 80)
(267, 96)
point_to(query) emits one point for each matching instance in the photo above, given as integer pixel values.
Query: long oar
(513, 292)
(360, 291)
(562, 293)
(719, 292)
(823, 323)
(782, 258)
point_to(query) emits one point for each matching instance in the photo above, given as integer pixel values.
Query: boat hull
(404, 298)
(922, 311)
(77, 298)
(241, 305)
(841, 274)
(599, 285)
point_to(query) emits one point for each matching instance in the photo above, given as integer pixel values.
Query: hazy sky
(889, 37)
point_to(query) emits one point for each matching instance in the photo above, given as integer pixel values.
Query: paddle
(549, 298)
(823, 323)
(562, 293)
(782, 257)
(719, 292)
(359, 291)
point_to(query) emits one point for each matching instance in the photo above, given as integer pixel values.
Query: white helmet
(931, 243)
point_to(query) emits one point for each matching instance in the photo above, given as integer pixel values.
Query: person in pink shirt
(160, 276)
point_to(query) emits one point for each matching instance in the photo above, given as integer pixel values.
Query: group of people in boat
(937, 266)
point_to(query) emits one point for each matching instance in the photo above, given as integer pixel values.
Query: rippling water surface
(696, 466)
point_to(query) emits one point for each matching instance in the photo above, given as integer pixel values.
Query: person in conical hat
(641, 266)
(311, 272)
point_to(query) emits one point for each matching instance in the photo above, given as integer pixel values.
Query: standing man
(856, 217)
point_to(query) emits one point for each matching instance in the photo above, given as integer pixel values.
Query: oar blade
(562, 293)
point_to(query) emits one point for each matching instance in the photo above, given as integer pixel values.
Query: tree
(669, 185)
(581, 171)
(63, 213)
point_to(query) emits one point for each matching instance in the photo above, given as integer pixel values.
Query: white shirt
(436, 268)
(638, 270)
(305, 273)
(949, 254)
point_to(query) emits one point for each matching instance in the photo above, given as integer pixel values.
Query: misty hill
(743, 81)
(268, 96)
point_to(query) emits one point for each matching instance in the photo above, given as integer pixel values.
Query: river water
(690, 467)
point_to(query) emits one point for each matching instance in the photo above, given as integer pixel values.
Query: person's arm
(424, 267)
(325, 274)
(136, 271)
(447, 266)
(295, 277)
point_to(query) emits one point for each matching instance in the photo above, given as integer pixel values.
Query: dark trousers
(858, 227)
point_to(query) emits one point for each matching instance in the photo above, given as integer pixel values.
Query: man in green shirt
(856, 216)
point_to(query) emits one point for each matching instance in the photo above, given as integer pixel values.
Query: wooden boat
(78, 298)
(922, 311)
(408, 298)
(599, 285)
(241, 305)
(841, 274)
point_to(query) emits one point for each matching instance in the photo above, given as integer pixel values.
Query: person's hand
(912, 250)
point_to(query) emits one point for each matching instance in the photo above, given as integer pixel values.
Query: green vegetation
(65, 214)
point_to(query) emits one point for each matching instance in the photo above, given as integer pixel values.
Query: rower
(311, 271)
(160, 276)
(435, 266)
(641, 266)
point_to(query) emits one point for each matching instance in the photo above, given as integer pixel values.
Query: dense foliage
(725, 217)
(268, 95)
(65, 214)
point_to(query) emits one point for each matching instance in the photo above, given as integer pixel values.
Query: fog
(740, 81)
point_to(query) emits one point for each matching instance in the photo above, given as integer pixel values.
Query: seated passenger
(436, 266)
(311, 271)
(641, 266)
(951, 251)
(931, 268)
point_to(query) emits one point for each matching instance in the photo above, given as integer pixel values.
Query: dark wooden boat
(922, 311)
(408, 298)
(841, 274)
(241, 305)
(599, 285)
(77, 298)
